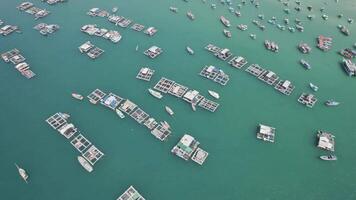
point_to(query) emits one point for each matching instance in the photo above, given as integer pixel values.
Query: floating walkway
(14, 56)
(138, 27)
(153, 52)
(8, 29)
(238, 62)
(111, 101)
(308, 100)
(114, 102)
(187, 148)
(285, 87)
(96, 96)
(145, 74)
(193, 97)
(29, 8)
(215, 74)
(255, 70)
(131, 194)
(58, 121)
(92, 51)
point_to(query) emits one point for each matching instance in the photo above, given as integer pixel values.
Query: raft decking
(161, 132)
(177, 90)
(208, 105)
(80, 143)
(93, 155)
(29, 8)
(139, 115)
(14, 56)
(96, 96)
(266, 133)
(8, 29)
(153, 52)
(131, 194)
(92, 51)
(57, 120)
(268, 77)
(124, 22)
(238, 62)
(215, 74)
(111, 101)
(223, 54)
(308, 100)
(212, 48)
(137, 27)
(164, 85)
(150, 123)
(185, 147)
(285, 87)
(193, 97)
(145, 74)
(127, 107)
(200, 156)
(255, 70)
(326, 140)
(67, 130)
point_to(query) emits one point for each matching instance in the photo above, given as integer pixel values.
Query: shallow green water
(239, 166)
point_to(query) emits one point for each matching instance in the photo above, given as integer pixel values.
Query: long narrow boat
(313, 87)
(332, 103)
(22, 173)
(154, 93)
(214, 94)
(328, 157)
(119, 113)
(190, 50)
(77, 96)
(169, 110)
(85, 164)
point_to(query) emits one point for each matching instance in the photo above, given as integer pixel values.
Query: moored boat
(120, 114)
(328, 157)
(114, 9)
(190, 50)
(225, 21)
(85, 164)
(22, 173)
(313, 87)
(214, 94)
(190, 15)
(305, 64)
(169, 110)
(227, 33)
(77, 96)
(332, 103)
(173, 9)
(154, 93)
(193, 107)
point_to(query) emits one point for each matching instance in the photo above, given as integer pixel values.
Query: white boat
(114, 9)
(169, 110)
(136, 47)
(85, 164)
(214, 94)
(154, 93)
(227, 33)
(65, 115)
(92, 101)
(328, 157)
(190, 50)
(77, 96)
(313, 87)
(193, 107)
(118, 112)
(22, 173)
(332, 103)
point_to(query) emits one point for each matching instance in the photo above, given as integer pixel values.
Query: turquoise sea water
(238, 167)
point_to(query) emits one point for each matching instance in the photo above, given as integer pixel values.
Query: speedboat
(154, 93)
(85, 164)
(77, 96)
(328, 157)
(114, 9)
(118, 112)
(225, 21)
(173, 9)
(332, 103)
(22, 173)
(305, 64)
(190, 15)
(214, 94)
(190, 50)
(313, 87)
(169, 110)
(227, 33)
